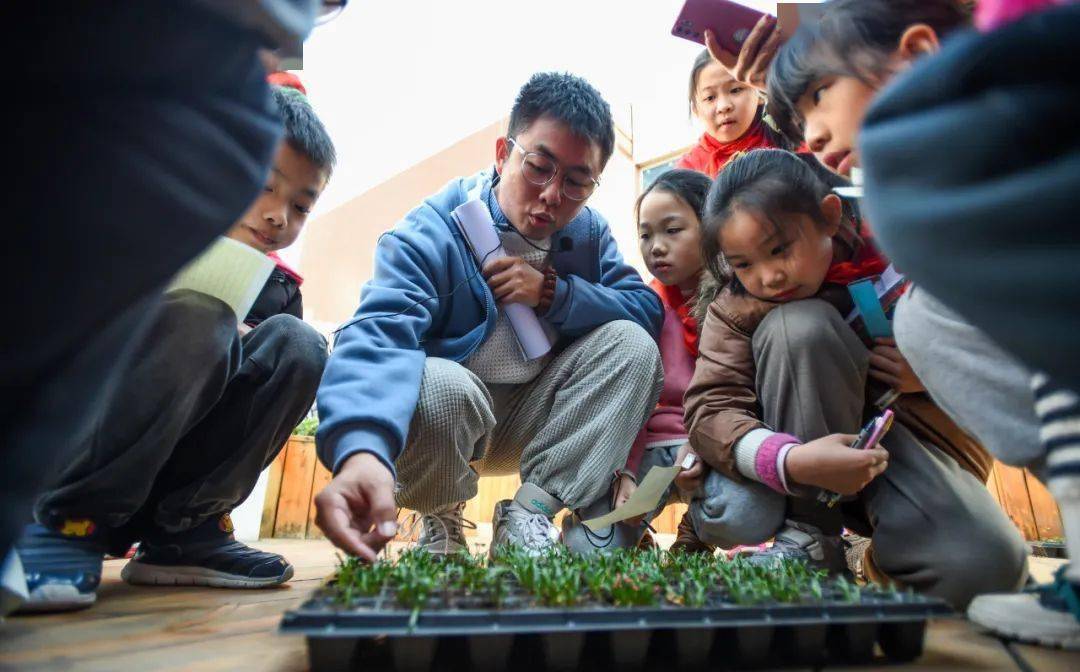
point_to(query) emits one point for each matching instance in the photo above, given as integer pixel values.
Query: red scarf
(710, 155)
(866, 263)
(672, 297)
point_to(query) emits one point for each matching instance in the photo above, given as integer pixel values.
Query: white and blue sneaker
(62, 567)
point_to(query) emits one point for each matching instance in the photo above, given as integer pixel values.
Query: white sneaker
(443, 531)
(515, 524)
(1042, 616)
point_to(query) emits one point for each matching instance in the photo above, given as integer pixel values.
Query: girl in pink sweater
(669, 218)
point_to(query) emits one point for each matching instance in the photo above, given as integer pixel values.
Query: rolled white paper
(476, 225)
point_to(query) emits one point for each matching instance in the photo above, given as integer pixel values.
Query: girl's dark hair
(689, 186)
(703, 59)
(853, 38)
(772, 185)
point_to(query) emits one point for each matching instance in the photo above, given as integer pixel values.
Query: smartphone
(729, 21)
(874, 430)
(867, 438)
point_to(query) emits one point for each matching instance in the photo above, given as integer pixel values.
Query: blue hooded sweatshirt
(428, 299)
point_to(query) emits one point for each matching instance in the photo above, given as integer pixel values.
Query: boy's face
(834, 108)
(725, 107)
(274, 220)
(539, 211)
(779, 264)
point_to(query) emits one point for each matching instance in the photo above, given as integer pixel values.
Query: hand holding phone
(869, 437)
(729, 21)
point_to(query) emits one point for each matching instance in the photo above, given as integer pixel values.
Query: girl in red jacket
(732, 114)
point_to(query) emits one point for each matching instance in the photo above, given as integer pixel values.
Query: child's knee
(736, 513)
(808, 325)
(449, 396)
(303, 350)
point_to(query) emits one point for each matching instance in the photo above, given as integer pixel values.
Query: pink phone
(877, 429)
(729, 21)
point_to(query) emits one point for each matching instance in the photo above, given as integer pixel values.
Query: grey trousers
(567, 431)
(934, 526)
(983, 389)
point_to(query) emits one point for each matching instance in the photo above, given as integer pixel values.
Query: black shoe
(206, 555)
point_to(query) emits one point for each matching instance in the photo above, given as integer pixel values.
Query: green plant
(307, 426)
(560, 579)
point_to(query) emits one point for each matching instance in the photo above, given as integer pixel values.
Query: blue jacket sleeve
(580, 306)
(371, 384)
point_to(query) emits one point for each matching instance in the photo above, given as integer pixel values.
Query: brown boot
(687, 540)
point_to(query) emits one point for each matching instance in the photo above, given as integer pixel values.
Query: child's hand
(890, 367)
(689, 480)
(831, 463)
(513, 280)
(624, 488)
(756, 54)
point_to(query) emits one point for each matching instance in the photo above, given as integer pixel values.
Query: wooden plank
(490, 490)
(992, 484)
(296, 481)
(321, 480)
(273, 492)
(1015, 501)
(1045, 509)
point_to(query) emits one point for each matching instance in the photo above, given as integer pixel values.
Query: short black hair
(303, 129)
(689, 186)
(853, 38)
(773, 184)
(567, 99)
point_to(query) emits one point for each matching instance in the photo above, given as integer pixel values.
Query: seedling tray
(454, 628)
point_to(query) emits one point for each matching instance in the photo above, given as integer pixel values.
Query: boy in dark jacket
(203, 405)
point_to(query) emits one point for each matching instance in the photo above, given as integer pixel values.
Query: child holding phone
(781, 384)
(721, 512)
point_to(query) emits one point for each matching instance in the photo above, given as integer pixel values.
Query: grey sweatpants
(983, 388)
(567, 431)
(934, 526)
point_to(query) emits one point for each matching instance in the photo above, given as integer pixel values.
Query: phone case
(729, 21)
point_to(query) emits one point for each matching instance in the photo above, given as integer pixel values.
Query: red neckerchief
(710, 155)
(672, 297)
(285, 268)
(866, 263)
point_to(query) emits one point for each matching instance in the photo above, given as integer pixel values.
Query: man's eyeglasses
(540, 170)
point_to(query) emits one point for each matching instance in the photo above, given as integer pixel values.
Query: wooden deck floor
(195, 629)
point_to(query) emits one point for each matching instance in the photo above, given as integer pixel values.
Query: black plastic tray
(665, 637)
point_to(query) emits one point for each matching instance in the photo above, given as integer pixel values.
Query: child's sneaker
(525, 521)
(800, 541)
(443, 531)
(62, 567)
(687, 539)
(1047, 615)
(206, 555)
